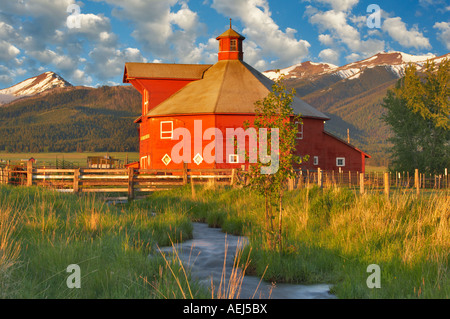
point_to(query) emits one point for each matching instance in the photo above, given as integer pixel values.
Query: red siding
(315, 142)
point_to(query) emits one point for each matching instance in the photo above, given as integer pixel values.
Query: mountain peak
(394, 61)
(32, 86)
(304, 69)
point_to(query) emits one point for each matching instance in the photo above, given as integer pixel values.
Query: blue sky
(88, 42)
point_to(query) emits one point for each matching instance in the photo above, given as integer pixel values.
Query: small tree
(275, 112)
(418, 112)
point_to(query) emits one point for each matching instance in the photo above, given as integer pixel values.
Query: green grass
(330, 236)
(44, 231)
(333, 235)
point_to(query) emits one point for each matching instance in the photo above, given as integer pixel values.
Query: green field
(78, 158)
(42, 232)
(330, 236)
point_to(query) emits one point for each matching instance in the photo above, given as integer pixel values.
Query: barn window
(340, 161)
(299, 135)
(316, 160)
(166, 128)
(233, 45)
(234, 158)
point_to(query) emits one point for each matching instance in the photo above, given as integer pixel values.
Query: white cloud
(81, 77)
(7, 51)
(338, 5)
(162, 31)
(336, 22)
(353, 57)
(326, 39)
(398, 31)
(330, 56)
(281, 47)
(108, 62)
(444, 33)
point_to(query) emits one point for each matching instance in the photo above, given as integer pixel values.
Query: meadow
(331, 236)
(43, 232)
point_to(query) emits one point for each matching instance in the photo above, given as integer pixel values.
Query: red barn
(204, 99)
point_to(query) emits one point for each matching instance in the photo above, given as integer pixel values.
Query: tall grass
(333, 235)
(42, 232)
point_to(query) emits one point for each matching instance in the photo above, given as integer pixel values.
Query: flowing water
(205, 254)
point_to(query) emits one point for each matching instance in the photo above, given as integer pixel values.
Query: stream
(204, 256)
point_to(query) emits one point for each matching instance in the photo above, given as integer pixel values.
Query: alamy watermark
(74, 19)
(374, 280)
(74, 280)
(374, 19)
(234, 148)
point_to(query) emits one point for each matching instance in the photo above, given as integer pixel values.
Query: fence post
(300, 180)
(29, 173)
(7, 173)
(76, 180)
(192, 187)
(307, 178)
(446, 178)
(416, 181)
(290, 184)
(185, 174)
(319, 178)
(386, 184)
(233, 174)
(361, 183)
(130, 183)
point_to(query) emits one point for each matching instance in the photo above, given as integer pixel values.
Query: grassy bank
(333, 235)
(42, 232)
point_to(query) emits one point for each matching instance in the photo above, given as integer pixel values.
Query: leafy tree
(418, 111)
(275, 112)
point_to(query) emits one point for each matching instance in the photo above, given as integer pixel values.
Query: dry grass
(9, 249)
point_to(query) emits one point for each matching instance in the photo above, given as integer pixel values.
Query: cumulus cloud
(160, 28)
(108, 62)
(443, 33)
(58, 46)
(411, 38)
(338, 5)
(326, 39)
(330, 56)
(337, 23)
(281, 47)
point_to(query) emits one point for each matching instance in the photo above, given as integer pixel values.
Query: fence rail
(136, 181)
(130, 181)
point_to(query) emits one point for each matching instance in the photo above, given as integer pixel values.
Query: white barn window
(340, 161)
(316, 160)
(166, 129)
(299, 135)
(233, 158)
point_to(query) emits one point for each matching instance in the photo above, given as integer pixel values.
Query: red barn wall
(315, 142)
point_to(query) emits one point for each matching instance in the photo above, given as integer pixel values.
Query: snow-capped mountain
(300, 70)
(394, 62)
(33, 86)
(352, 95)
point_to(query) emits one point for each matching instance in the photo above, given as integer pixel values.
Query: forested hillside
(72, 119)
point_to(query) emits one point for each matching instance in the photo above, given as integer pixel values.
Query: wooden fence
(373, 181)
(132, 182)
(135, 182)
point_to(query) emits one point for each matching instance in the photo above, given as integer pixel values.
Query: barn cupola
(230, 45)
